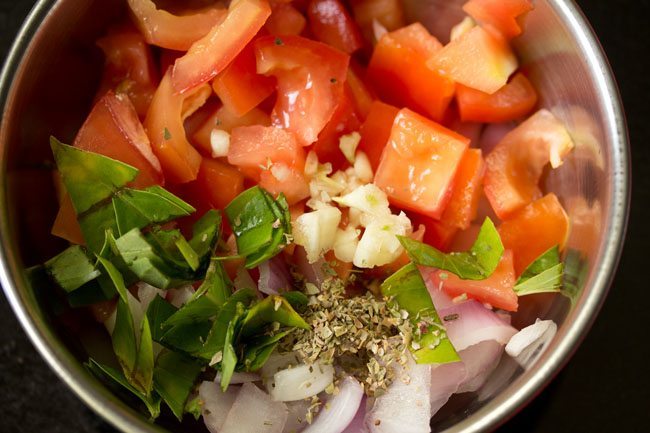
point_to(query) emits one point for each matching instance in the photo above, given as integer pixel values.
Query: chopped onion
(300, 382)
(406, 405)
(276, 362)
(313, 272)
(479, 360)
(445, 380)
(528, 344)
(358, 423)
(297, 417)
(274, 276)
(254, 412)
(243, 280)
(179, 296)
(470, 323)
(216, 404)
(219, 143)
(440, 299)
(147, 293)
(340, 409)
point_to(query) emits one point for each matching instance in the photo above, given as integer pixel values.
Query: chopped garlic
(362, 168)
(311, 164)
(280, 171)
(368, 199)
(379, 245)
(378, 30)
(219, 143)
(316, 231)
(345, 244)
(348, 144)
(461, 28)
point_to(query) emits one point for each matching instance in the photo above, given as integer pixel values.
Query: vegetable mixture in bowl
(310, 216)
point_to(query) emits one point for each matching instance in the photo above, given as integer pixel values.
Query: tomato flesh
(310, 79)
(513, 101)
(218, 183)
(375, 131)
(400, 76)
(478, 59)
(332, 24)
(516, 164)
(361, 94)
(496, 290)
(534, 229)
(463, 205)
(285, 20)
(505, 16)
(419, 163)
(210, 55)
(388, 13)
(174, 32)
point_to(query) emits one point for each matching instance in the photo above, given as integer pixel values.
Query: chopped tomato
(388, 13)
(375, 131)
(343, 269)
(436, 233)
(478, 59)
(361, 95)
(331, 23)
(66, 225)
(225, 120)
(533, 230)
(343, 121)
(516, 164)
(218, 183)
(210, 55)
(461, 210)
(128, 68)
(261, 146)
(400, 76)
(194, 100)
(513, 101)
(505, 16)
(311, 77)
(168, 58)
(496, 290)
(164, 123)
(166, 30)
(419, 163)
(288, 180)
(240, 87)
(285, 20)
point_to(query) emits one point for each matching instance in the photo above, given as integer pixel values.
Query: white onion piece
(180, 296)
(358, 423)
(216, 404)
(473, 323)
(440, 299)
(479, 360)
(297, 416)
(136, 311)
(313, 272)
(276, 362)
(239, 377)
(300, 382)
(406, 406)
(243, 280)
(147, 293)
(529, 343)
(255, 412)
(340, 409)
(445, 380)
(274, 276)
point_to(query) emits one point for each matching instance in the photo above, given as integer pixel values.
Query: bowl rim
(507, 403)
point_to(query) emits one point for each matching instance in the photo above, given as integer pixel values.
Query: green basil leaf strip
(476, 264)
(188, 338)
(215, 340)
(89, 178)
(114, 276)
(152, 401)
(407, 288)
(271, 309)
(174, 378)
(576, 271)
(194, 407)
(143, 372)
(94, 225)
(205, 235)
(88, 294)
(258, 350)
(229, 358)
(188, 253)
(548, 281)
(547, 260)
(298, 300)
(72, 268)
(161, 192)
(281, 227)
(124, 340)
(252, 220)
(158, 312)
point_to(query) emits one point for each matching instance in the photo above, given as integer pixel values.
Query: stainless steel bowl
(46, 88)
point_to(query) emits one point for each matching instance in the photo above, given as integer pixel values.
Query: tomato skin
(388, 13)
(164, 124)
(400, 76)
(505, 16)
(332, 24)
(285, 20)
(534, 229)
(210, 55)
(343, 121)
(240, 87)
(129, 66)
(496, 290)
(478, 59)
(375, 131)
(516, 164)
(224, 119)
(419, 163)
(174, 32)
(310, 79)
(361, 94)
(513, 101)
(463, 205)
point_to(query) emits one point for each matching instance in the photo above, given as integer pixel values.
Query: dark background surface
(604, 388)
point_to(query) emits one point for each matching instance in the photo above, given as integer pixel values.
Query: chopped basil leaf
(88, 294)
(143, 372)
(576, 270)
(89, 178)
(152, 401)
(193, 407)
(158, 312)
(476, 264)
(271, 309)
(124, 341)
(72, 268)
(205, 235)
(298, 300)
(188, 337)
(114, 276)
(229, 357)
(259, 349)
(174, 378)
(544, 275)
(544, 262)
(96, 223)
(407, 288)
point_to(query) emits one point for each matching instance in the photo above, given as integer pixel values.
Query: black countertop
(604, 388)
